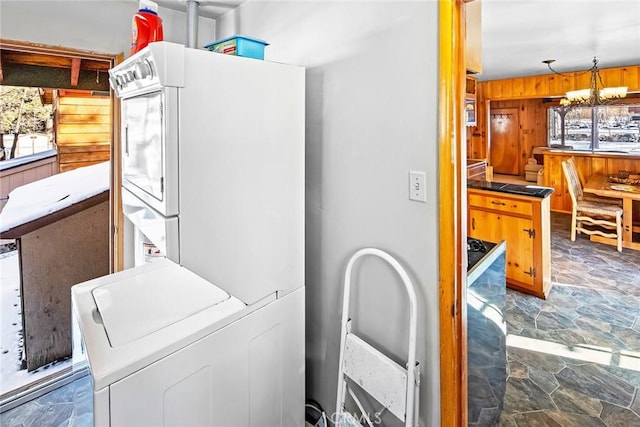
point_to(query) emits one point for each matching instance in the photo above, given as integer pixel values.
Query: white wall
(371, 110)
(102, 26)
(371, 116)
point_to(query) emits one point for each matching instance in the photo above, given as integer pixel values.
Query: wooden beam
(56, 61)
(75, 71)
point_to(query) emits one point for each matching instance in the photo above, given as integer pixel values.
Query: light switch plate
(417, 190)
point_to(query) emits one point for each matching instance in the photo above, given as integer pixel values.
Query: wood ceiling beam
(75, 71)
(56, 61)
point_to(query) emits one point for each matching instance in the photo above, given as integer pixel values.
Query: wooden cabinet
(523, 222)
(473, 37)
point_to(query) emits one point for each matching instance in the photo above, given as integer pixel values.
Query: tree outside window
(610, 128)
(22, 114)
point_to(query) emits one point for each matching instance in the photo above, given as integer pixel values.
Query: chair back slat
(576, 176)
(573, 181)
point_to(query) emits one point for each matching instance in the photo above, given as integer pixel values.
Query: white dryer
(168, 348)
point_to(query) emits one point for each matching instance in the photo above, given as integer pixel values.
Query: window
(611, 128)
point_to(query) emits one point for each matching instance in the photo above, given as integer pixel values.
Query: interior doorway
(504, 142)
(59, 70)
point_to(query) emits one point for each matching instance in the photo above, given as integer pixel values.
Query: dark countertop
(479, 260)
(517, 189)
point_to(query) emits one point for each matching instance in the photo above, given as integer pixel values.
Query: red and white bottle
(146, 26)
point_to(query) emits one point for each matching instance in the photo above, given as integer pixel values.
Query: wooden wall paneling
(87, 127)
(546, 85)
(597, 165)
(531, 86)
(84, 128)
(540, 124)
(84, 109)
(83, 138)
(526, 134)
(490, 89)
(83, 118)
(554, 178)
(555, 85)
(613, 77)
(582, 80)
(568, 83)
(480, 137)
(533, 121)
(64, 167)
(615, 165)
(540, 86)
(632, 76)
(502, 89)
(76, 148)
(507, 88)
(85, 156)
(475, 135)
(517, 88)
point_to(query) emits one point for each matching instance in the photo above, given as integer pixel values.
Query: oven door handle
(126, 140)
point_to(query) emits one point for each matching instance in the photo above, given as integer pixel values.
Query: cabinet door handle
(473, 223)
(493, 202)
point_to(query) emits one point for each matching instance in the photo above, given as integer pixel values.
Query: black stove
(476, 250)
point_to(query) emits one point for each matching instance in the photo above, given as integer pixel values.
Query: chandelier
(595, 94)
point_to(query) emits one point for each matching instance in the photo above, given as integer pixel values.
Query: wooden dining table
(599, 184)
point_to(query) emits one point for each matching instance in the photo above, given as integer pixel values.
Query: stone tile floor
(68, 406)
(574, 359)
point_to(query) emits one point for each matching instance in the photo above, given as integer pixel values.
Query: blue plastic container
(240, 46)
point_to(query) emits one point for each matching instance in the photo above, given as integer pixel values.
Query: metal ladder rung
(381, 377)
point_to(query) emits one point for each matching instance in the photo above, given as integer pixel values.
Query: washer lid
(144, 303)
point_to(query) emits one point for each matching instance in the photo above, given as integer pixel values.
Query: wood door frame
(44, 384)
(452, 214)
(115, 216)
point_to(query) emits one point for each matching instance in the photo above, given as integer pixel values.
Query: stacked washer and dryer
(211, 333)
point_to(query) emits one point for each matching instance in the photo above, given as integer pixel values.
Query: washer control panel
(137, 74)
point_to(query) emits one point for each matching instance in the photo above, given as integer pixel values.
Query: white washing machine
(168, 348)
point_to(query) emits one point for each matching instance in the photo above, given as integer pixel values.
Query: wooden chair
(603, 212)
(590, 197)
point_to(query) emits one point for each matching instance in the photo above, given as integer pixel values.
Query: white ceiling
(517, 35)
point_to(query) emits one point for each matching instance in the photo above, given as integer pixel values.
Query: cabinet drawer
(500, 204)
